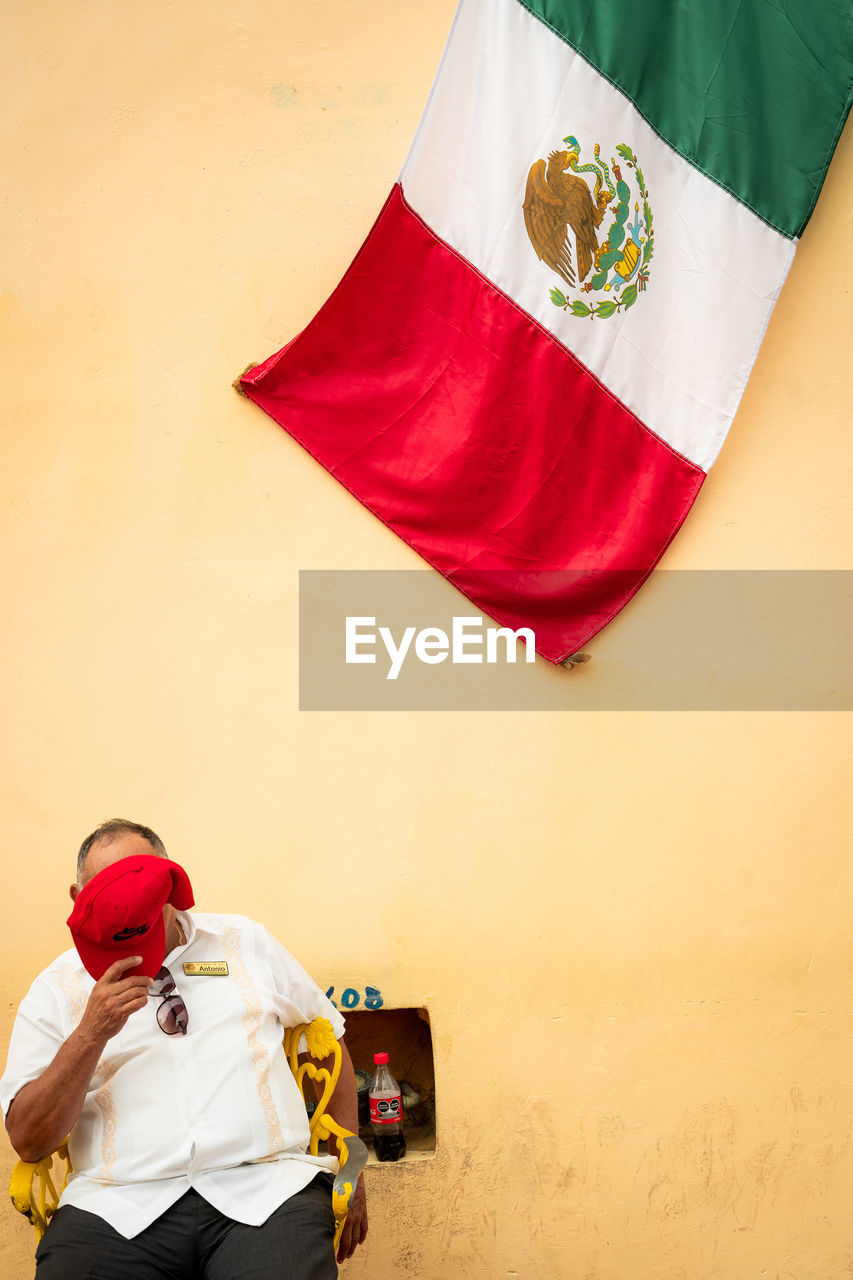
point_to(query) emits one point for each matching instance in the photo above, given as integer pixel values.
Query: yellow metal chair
(36, 1188)
(322, 1046)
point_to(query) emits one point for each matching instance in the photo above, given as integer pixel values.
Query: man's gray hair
(109, 831)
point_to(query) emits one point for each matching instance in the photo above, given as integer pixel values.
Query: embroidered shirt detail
(252, 1015)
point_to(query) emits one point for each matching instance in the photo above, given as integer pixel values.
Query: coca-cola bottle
(386, 1112)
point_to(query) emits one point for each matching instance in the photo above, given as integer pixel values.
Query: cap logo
(129, 932)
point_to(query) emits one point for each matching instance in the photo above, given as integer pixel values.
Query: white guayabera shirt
(216, 1109)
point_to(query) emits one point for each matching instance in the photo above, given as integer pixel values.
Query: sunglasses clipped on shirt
(172, 1015)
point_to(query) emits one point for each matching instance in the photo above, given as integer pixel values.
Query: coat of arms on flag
(536, 355)
(612, 256)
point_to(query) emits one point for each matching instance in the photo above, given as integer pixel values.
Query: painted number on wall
(351, 999)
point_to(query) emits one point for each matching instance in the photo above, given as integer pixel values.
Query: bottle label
(385, 1110)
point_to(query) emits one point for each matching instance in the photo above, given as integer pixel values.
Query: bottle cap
(379, 1058)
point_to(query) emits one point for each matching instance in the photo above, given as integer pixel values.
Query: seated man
(188, 1132)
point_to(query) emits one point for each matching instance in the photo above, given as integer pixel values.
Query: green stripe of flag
(753, 92)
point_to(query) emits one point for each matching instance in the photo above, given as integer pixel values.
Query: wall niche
(406, 1036)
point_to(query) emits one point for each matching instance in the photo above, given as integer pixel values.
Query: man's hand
(355, 1227)
(114, 998)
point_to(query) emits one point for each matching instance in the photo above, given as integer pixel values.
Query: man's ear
(72, 892)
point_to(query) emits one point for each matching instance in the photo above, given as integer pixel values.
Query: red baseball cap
(120, 913)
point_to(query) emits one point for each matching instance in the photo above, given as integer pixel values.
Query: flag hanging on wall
(537, 353)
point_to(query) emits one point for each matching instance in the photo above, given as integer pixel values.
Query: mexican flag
(537, 353)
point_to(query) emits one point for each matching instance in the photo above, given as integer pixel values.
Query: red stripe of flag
(478, 438)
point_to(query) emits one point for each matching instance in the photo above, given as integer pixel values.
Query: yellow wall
(631, 930)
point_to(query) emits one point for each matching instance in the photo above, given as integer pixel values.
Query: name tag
(206, 968)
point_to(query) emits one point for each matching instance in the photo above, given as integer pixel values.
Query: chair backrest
(306, 1046)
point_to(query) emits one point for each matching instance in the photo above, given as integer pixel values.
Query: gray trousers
(194, 1241)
